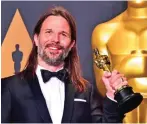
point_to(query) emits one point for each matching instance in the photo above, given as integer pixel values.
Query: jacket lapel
(68, 104)
(39, 99)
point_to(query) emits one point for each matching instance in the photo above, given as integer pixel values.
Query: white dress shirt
(54, 94)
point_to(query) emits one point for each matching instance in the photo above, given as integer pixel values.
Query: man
(51, 88)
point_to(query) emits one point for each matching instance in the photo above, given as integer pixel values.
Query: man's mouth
(54, 49)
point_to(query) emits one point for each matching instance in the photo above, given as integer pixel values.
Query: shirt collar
(39, 67)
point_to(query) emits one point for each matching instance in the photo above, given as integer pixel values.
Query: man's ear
(72, 44)
(36, 39)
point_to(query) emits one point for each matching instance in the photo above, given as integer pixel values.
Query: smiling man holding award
(51, 88)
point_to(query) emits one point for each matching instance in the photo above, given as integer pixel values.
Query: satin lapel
(68, 104)
(39, 99)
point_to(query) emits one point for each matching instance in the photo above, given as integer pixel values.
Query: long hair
(72, 62)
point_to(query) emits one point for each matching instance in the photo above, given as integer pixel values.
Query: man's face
(54, 41)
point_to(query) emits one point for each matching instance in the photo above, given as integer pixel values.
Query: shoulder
(12, 82)
(13, 78)
(109, 25)
(103, 32)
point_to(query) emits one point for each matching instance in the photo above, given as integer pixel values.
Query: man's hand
(113, 81)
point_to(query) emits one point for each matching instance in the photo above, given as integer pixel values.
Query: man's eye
(64, 34)
(48, 32)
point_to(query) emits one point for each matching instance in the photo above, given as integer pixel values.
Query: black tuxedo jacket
(22, 102)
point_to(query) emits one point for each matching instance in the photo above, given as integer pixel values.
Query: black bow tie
(61, 75)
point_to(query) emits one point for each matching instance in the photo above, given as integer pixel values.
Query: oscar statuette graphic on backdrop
(16, 47)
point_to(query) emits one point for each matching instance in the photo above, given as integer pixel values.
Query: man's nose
(56, 38)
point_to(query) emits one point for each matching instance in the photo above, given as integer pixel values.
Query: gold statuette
(126, 98)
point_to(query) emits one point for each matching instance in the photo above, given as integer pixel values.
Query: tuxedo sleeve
(5, 102)
(104, 110)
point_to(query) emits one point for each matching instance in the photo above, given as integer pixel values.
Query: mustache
(58, 46)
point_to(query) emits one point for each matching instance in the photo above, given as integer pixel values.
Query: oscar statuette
(126, 98)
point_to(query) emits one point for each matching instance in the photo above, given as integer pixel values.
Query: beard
(53, 60)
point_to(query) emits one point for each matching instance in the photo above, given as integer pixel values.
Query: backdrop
(19, 18)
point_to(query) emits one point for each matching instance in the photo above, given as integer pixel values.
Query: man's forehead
(57, 20)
